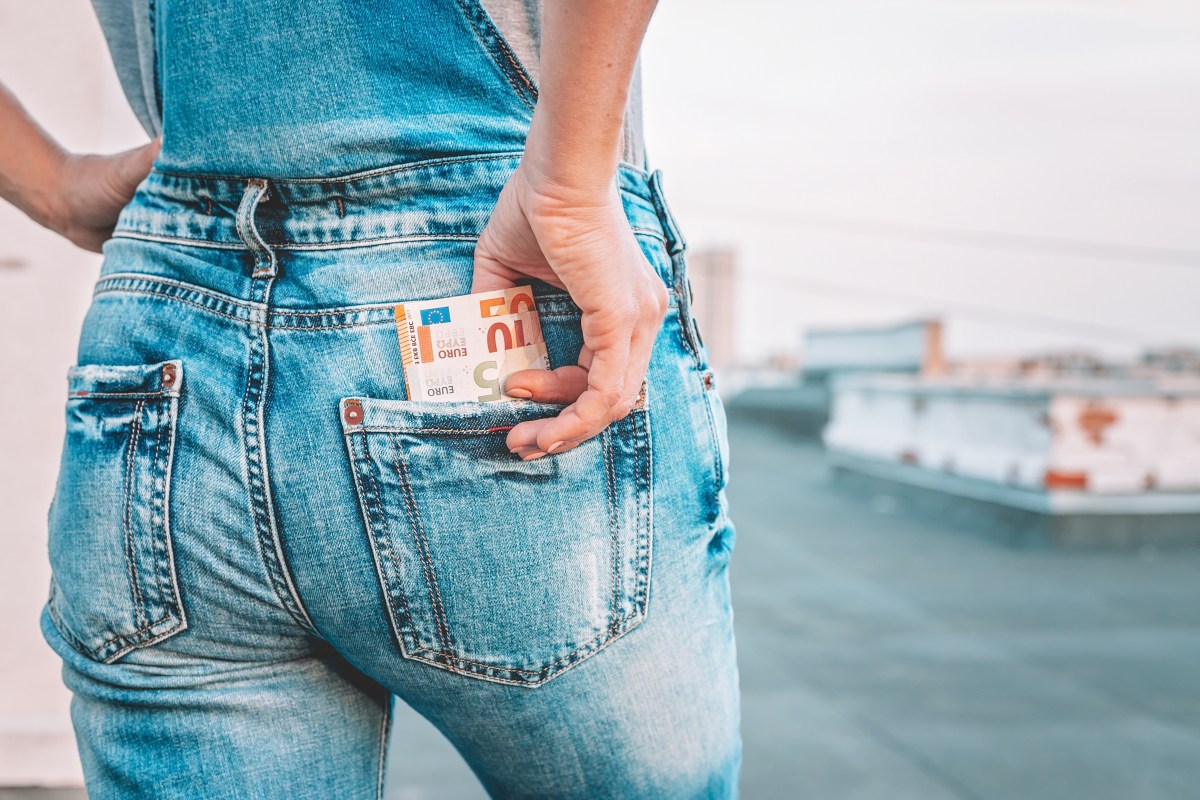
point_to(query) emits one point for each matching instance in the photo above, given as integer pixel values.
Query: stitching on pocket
(372, 506)
(644, 475)
(435, 595)
(614, 601)
(390, 539)
(135, 428)
(632, 584)
(159, 519)
(155, 612)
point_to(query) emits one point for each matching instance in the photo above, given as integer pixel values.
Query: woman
(257, 538)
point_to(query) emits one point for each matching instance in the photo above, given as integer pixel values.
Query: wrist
(37, 188)
(561, 160)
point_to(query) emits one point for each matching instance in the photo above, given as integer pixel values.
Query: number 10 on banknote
(464, 348)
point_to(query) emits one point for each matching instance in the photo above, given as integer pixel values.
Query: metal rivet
(352, 412)
(168, 376)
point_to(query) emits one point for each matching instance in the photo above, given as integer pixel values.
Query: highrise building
(713, 274)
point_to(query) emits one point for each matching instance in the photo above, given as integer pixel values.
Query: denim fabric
(257, 539)
(356, 63)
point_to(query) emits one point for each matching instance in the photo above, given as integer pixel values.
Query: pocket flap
(462, 418)
(163, 379)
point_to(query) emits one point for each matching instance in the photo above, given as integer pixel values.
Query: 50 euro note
(464, 348)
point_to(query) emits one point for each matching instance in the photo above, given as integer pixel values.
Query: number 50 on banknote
(464, 348)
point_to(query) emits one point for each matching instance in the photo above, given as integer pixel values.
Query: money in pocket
(464, 348)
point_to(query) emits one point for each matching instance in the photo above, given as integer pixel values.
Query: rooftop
(887, 654)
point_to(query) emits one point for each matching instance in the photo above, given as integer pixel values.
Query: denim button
(168, 376)
(352, 412)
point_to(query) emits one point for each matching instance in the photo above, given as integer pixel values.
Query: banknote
(463, 348)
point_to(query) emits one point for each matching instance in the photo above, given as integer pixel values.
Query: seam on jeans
(439, 613)
(346, 244)
(152, 24)
(351, 244)
(181, 300)
(131, 640)
(592, 646)
(260, 509)
(391, 549)
(175, 603)
(359, 466)
(139, 603)
(560, 303)
(208, 244)
(614, 533)
(142, 639)
(497, 48)
(138, 637)
(86, 395)
(155, 503)
(278, 570)
(142, 278)
(622, 622)
(447, 431)
(645, 476)
(65, 630)
(384, 725)
(351, 177)
(316, 326)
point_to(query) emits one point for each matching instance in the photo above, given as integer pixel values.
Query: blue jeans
(247, 568)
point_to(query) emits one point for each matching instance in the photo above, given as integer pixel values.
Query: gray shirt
(129, 32)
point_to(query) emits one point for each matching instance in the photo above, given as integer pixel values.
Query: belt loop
(257, 190)
(675, 240)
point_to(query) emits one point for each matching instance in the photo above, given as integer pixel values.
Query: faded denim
(257, 539)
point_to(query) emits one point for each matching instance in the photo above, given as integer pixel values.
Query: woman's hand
(79, 197)
(84, 202)
(580, 241)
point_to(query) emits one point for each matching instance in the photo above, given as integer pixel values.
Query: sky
(1029, 170)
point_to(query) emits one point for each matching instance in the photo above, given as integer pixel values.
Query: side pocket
(493, 567)
(114, 587)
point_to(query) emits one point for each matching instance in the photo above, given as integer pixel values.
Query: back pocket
(113, 587)
(493, 567)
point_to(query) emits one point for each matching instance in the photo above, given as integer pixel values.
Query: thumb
(131, 166)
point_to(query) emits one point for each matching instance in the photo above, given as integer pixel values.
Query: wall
(53, 57)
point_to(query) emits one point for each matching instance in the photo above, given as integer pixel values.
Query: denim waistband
(448, 198)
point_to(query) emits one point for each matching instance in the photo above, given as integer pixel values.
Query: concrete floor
(885, 654)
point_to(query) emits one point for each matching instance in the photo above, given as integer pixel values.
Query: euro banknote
(464, 348)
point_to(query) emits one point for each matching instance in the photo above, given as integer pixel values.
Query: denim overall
(258, 540)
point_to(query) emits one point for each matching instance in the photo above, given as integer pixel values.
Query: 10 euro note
(464, 348)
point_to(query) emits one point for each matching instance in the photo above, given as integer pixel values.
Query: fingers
(594, 408)
(562, 385)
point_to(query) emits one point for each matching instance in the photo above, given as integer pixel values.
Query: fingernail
(531, 456)
(554, 447)
(522, 393)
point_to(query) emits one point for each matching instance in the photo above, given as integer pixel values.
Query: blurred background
(946, 256)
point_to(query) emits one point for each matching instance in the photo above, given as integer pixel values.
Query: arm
(78, 196)
(560, 219)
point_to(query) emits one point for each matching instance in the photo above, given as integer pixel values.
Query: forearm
(589, 51)
(30, 161)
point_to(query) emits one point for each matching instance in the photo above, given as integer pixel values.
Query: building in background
(713, 275)
(910, 347)
(1065, 459)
